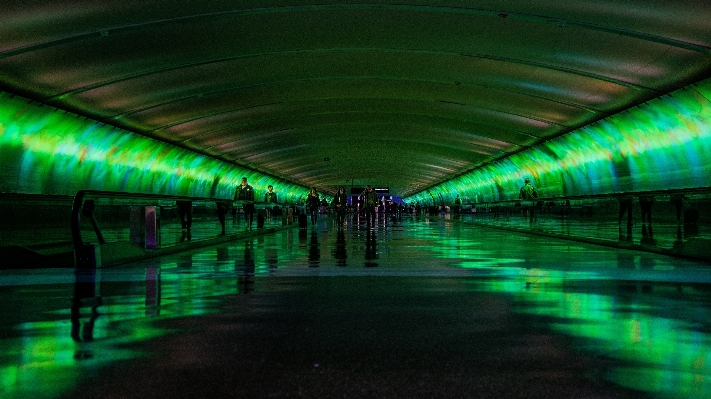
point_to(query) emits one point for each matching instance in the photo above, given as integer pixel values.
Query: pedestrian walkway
(420, 307)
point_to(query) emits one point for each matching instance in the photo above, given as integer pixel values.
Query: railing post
(88, 211)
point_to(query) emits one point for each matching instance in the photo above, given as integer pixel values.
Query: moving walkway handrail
(78, 207)
(44, 197)
(654, 193)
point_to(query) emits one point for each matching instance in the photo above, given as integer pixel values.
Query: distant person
(527, 194)
(645, 202)
(625, 207)
(313, 204)
(457, 205)
(290, 214)
(340, 206)
(270, 198)
(370, 203)
(245, 192)
(678, 201)
(185, 211)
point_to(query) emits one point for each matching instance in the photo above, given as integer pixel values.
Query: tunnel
(291, 198)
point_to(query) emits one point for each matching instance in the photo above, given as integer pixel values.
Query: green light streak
(662, 144)
(47, 151)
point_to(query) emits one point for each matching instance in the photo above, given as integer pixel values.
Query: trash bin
(145, 226)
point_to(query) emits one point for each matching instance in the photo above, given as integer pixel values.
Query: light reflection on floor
(645, 315)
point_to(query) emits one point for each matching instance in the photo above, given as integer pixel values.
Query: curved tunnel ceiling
(399, 95)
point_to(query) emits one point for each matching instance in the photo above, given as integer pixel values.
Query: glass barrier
(655, 219)
(36, 221)
(35, 227)
(153, 222)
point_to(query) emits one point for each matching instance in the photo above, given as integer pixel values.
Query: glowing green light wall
(662, 144)
(47, 151)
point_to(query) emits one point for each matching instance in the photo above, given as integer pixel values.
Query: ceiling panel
(409, 95)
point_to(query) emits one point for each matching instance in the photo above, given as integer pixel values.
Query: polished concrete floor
(418, 308)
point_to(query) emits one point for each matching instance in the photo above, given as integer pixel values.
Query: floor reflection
(657, 333)
(340, 250)
(645, 317)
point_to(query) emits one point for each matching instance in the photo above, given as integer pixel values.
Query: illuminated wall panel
(48, 151)
(662, 144)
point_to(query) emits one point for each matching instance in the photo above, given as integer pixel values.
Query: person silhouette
(313, 204)
(245, 192)
(185, 211)
(370, 203)
(457, 205)
(340, 206)
(625, 207)
(527, 194)
(270, 198)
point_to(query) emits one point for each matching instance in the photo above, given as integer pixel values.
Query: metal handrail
(700, 190)
(4, 196)
(79, 207)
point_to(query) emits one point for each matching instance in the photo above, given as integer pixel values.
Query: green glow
(678, 358)
(669, 355)
(662, 144)
(43, 360)
(47, 151)
(46, 365)
(665, 355)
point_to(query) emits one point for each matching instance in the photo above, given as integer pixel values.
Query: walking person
(457, 206)
(625, 206)
(645, 202)
(270, 197)
(527, 194)
(313, 203)
(370, 203)
(678, 201)
(185, 211)
(245, 192)
(340, 204)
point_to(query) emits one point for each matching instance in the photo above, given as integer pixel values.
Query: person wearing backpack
(527, 194)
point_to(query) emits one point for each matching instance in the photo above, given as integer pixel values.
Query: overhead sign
(379, 190)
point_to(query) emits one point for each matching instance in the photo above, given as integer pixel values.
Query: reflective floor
(417, 308)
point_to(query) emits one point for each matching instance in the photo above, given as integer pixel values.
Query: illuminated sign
(379, 190)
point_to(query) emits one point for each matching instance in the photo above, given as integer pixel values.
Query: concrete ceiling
(405, 95)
